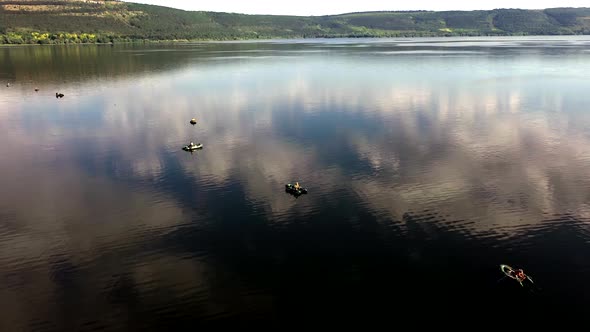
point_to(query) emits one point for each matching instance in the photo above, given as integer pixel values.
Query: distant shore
(181, 41)
(77, 22)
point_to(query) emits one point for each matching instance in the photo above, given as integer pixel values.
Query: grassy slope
(115, 19)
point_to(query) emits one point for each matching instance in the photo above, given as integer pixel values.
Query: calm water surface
(429, 162)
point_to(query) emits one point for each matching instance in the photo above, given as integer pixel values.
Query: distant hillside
(90, 21)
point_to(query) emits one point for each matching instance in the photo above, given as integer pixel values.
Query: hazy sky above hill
(319, 7)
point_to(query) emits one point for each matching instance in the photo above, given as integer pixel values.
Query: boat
(295, 189)
(192, 147)
(193, 121)
(512, 273)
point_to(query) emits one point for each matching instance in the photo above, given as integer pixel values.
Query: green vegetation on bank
(99, 21)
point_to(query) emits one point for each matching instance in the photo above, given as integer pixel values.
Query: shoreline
(187, 41)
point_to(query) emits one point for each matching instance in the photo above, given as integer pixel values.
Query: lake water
(429, 162)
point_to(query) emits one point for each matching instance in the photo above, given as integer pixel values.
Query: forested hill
(82, 21)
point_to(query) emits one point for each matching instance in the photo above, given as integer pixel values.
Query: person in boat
(519, 274)
(297, 186)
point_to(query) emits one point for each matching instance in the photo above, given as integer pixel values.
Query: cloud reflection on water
(496, 155)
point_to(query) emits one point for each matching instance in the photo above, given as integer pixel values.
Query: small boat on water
(193, 121)
(516, 274)
(192, 146)
(295, 189)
